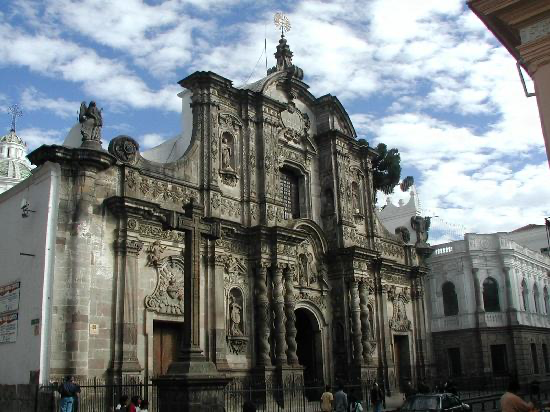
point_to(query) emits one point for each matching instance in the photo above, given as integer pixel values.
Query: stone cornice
(79, 158)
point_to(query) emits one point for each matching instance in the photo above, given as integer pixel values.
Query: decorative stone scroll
(125, 149)
(167, 298)
(296, 124)
(399, 321)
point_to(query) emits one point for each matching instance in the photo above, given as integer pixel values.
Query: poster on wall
(8, 328)
(9, 297)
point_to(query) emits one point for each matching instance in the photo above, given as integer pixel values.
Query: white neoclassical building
(490, 308)
(14, 165)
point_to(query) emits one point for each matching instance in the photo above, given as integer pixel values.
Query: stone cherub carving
(92, 121)
(421, 225)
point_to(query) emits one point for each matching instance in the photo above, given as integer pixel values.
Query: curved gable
(331, 115)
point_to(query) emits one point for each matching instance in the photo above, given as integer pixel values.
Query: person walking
(326, 400)
(69, 391)
(340, 400)
(377, 397)
(511, 402)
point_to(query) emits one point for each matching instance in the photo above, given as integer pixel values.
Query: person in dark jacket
(69, 392)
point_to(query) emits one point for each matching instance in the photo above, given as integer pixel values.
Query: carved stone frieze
(158, 190)
(389, 249)
(155, 231)
(230, 208)
(353, 235)
(167, 297)
(316, 298)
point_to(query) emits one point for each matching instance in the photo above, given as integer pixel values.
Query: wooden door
(166, 345)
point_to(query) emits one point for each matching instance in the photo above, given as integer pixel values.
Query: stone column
(219, 327)
(262, 315)
(365, 326)
(477, 287)
(278, 308)
(509, 292)
(129, 364)
(356, 322)
(290, 304)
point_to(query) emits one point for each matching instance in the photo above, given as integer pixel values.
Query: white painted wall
(33, 235)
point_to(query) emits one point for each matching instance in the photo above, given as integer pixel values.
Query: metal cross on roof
(15, 112)
(282, 22)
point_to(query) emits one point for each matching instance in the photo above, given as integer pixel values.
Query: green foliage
(386, 169)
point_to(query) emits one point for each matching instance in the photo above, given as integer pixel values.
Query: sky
(425, 77)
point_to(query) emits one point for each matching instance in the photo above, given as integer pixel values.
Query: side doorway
(166, 345)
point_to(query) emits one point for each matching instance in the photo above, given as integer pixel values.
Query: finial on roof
(15, 112)
(283, 53)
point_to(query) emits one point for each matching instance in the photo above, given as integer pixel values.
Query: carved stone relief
(167, 298)
(399, 321)
(158, 190)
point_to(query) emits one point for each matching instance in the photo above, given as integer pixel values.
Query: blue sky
(424, 77)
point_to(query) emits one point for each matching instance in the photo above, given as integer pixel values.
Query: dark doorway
(455, 364)
(166, 345)
(402, 360)
(309, 351)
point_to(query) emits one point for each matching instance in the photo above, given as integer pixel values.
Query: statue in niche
(302, 269)
(226, 153)
(235, 313)
(91, 120)
(355, 198)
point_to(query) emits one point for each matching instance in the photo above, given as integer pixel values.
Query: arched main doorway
(309, 350)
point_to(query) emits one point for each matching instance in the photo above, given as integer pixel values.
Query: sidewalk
(394, 402)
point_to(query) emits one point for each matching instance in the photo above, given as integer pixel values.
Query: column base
(192, 384)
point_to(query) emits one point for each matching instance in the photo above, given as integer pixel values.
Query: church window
(534, 358)
(290, 194)
(546, 300)
(536, 298)
(499, 359)
(545, 358)
(455, 364)
(524, 295)
(450, 301)
(490, 295)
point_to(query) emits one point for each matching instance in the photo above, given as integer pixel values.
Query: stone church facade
(295, 273)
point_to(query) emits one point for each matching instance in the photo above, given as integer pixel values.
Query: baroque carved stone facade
(293, 259)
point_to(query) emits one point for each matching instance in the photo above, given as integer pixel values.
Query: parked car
(436, 402)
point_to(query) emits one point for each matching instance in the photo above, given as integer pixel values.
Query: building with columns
(490, 309)
(248, 248)
(523, 27)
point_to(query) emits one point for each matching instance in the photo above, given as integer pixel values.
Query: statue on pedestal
(91, 120)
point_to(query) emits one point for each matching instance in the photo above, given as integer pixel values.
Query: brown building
(523, 27)
(254, 232)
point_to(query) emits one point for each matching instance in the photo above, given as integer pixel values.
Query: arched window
(490, 295)
(546, 300)
(536, 298)
(524, 295)
(450, 301)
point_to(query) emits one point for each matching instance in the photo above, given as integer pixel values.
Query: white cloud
(35, 137)
(151, 140)
(32, 99)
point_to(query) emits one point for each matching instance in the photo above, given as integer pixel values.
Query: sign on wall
(8, 328)
(9, 297)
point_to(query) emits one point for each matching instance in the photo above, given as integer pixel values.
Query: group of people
(70, 393)
(341, 402)
(133, 404)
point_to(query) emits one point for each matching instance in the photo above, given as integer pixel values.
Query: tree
(387, 171)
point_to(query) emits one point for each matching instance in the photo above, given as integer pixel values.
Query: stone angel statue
(91, 120)
(421, 225)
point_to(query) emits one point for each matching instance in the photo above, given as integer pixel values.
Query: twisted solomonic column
(278, 308)
(365, 325)
(290, 305)
(262, 315)
(356, 322)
